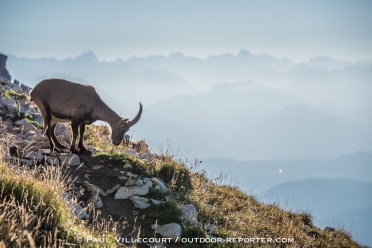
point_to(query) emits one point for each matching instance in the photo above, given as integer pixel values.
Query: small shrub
(190, 230)
(175, 175)
(168, 212)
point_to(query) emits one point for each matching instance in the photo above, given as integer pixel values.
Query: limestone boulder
(70, 159)
(171, 230)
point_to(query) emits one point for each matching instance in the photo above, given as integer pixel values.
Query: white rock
(27, 126)
(157, 187)
(122, 172)
(161, 184)
(139, 198)
(130, 182)
(171, 230)
(12, 108)
(37, 137)
(6, 101)
(32, 155)
(61, 129)
(145, 180)
(122, 178)
(130, 174)
(96, 167)
(154, 226)
(96, 201)
(51, 160)
(26, 161)
(20, 122)
(189, 213)
(74, 207)
(127, 192)
(140, 202)
(157, 245)
(149, 184)
(94, 188)
(139, 182)
(127, 166)
(113, 189)
(156, 202)
(70, 159)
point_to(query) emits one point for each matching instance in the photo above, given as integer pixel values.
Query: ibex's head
(123, 126)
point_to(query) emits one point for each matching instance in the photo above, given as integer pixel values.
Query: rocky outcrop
(3, 71)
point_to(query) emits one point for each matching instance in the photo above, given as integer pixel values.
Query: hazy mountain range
(301, 132)
(242, 106)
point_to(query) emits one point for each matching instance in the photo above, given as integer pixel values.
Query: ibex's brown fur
(63, 101)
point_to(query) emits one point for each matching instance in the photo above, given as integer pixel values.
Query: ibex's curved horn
(136, 119)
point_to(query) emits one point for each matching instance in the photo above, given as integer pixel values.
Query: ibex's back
(60, 100)
(65, 99)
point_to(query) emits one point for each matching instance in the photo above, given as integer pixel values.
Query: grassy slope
(32, 211)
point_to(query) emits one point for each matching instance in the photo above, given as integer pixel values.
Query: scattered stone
(130, 182)
(70, 159)
(51, 160)
(127, 166)
(122, 172)
(53, 154)
(168, 198)
(96, 201)
(139, 182)
(80, 191)
(74, 207)
(154, 226)
(145, 180)
(95, 189)
(157, 187)
(140, 202)
(96, 167)
(171, 230)
(157, 245)
(135, 212)
(127, 192)
(26, 161)
(27, 126)
(32, 155)
(156, 202)
(122, 178)
(113, 189)
(189, 213)
(130, 174)
(161, 184)
(86, 176)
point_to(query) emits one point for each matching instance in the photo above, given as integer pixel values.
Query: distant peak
(89, 56)
(176, 55)
(244, 53)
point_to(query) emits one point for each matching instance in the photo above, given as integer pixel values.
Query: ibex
(63, 101)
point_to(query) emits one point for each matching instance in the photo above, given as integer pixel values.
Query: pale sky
(111, 29)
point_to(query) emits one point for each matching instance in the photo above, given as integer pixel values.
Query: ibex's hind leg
(47, 129)
(81, 138)
(75, 133)
(54, 137)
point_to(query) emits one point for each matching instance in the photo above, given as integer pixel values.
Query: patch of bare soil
(138, 221)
